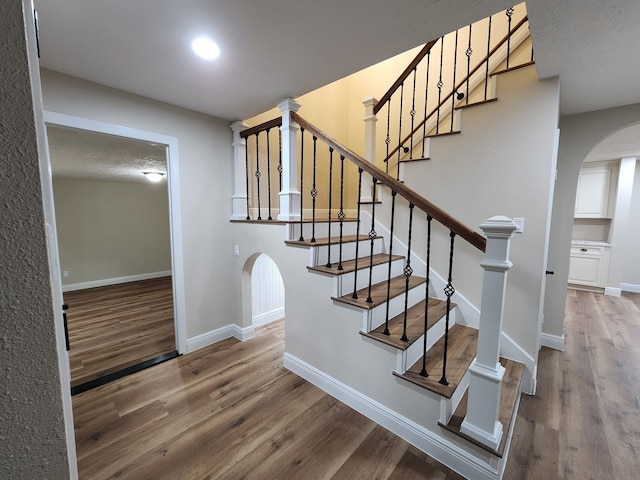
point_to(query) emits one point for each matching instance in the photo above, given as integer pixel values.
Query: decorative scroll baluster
(400, 131)
(372, 237)
(453, 87)
(330, 195)
(440, 85)
(246, 164)
(341, 212)
(301, 183)
(393, 215)
(269, 172)
(423, 372)
(486, 72)
(314, 192)
(426, 105)
(448, 291)
(258, 174)
(413, 110)
(509, 14)
(468, 53)
(355, 272)
(408, 271)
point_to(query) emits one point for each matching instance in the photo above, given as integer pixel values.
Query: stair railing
(423, 100)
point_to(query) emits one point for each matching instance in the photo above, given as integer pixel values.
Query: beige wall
(205, 158)
(631, 269)
(111, 229)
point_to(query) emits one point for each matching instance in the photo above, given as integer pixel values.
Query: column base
(490, 439)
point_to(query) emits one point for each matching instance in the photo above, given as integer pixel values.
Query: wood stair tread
(415, 324)
(509, 396)
(409, 160)
(379, 292)
(349, 266)
(326, 241)
(461, 351)
(433, 135)
(475, 104)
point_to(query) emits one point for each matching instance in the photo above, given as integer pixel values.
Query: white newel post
(239, 209)
(481, 422)
(289, 196)
(370, 121)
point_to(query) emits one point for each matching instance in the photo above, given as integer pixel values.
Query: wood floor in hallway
(116, 326)
(231, 411)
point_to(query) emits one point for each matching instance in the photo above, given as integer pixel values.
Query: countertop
(591, 243)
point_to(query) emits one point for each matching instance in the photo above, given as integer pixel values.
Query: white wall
(111, 229)
(205, 169)
(579, 134)
(32, 400)
(631, 268)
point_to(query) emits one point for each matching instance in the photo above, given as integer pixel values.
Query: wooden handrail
(474, 238)
(403, 76)
(462, 82)
(276, 122)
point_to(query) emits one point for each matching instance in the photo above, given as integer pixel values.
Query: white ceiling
(273, 49)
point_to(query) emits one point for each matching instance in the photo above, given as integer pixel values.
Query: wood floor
(117, 326)
(231, 411)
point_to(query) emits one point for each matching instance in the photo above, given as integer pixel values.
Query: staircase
(372, 322)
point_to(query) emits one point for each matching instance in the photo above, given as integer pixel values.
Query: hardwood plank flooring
(231, 411)
(584, 421)
(117, 326)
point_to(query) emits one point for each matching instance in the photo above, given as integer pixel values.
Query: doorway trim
(175, 216)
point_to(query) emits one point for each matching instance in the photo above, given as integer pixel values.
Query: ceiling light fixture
(154, 176)
(205, 48)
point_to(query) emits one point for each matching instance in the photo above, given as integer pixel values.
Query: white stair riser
(377, 316)
(343, 284)
(321, 229)
(449, 405)
(320, 254)
(406, 358)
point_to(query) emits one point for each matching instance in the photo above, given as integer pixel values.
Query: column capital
(498, 226)
(289, 105)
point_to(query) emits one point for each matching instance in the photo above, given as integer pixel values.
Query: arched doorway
(263, 293)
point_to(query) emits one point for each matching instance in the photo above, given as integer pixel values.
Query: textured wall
(32, 435)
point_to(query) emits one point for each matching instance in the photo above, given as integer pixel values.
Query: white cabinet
(589, 265)
(596, 190)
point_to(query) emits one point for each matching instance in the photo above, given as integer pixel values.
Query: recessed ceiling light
(205, 48)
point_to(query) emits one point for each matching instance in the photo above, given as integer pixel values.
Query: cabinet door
(585, 270)
(592, 197)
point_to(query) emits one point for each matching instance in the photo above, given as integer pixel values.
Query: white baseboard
(219, 334)
(552, 341)
(511, 350)
(426, 440)
(613, 292)
(268, 317)
(114, 281)
(630, 287)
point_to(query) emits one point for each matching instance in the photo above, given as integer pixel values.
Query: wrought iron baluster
(486, 72)
(393, 215)
(453, 87)
(330, 195)
(448, 291)
(426, 104)
(246, 169)
(387, 139)
(258, 174)
(355, 272)
(468, 53)
(301, 182)
(279, 160)
(423, 372)
(314, 193)
(408, 271)
(269, 172)
(509, 13)
(439, 85)
(341, 212)
(400, 131)
(413, 111)
(372, 237)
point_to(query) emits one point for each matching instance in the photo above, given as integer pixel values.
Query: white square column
(289, 196)
(239, 205)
